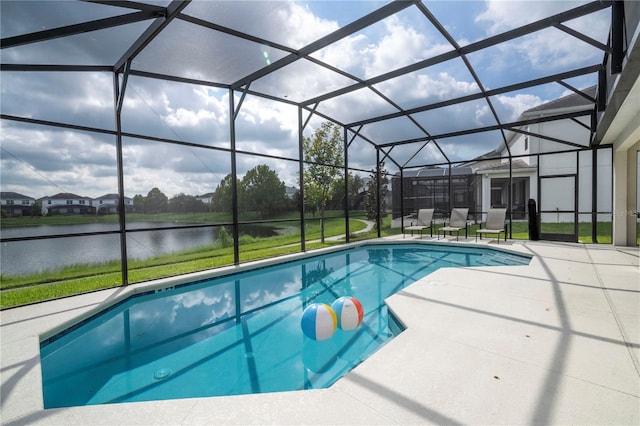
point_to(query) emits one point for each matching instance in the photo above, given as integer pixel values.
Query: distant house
(65, 203)
(15, 204)
(108, 204)
(207, 200)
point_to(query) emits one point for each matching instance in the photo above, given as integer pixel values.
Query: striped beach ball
(349, 312)
(318, 321)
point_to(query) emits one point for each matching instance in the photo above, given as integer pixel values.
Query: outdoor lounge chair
(425, 220)
(495, 224)
(457, 222)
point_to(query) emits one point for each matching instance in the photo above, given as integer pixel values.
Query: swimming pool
(240, 333)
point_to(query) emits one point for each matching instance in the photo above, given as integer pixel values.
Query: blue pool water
(240, 333)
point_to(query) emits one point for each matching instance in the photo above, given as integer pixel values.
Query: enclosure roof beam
(507, 126)
(174, 8)
(505, 89)
(84, 27)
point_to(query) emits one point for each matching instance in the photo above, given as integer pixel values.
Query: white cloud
(510, 107)
(550, 48)
(401, 45)
(302, 25)
(183, 117)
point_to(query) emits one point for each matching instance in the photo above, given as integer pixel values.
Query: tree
(263, 191)
(138, 203)
(323, 155)
(182, 203)
(155, 202)
(372, 195)
(223, 196)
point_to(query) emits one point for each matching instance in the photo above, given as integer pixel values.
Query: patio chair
(495, 224)
(425, 220)
(457, 222)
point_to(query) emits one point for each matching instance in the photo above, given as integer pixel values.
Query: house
(108, 204)
(15, 204)
(207, 200)
(561, 182)
(65, 203)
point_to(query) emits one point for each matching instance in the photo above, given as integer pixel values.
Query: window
(9, 202)
(69, 202)
(526, 143)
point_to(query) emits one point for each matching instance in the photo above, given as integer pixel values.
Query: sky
(41, 160)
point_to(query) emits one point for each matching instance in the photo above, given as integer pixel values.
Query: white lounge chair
(425, 220)
(457, 222)
(495, 224)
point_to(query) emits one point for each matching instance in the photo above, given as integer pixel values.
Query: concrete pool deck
(553, 342)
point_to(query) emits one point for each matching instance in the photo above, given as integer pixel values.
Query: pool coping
(354, 399)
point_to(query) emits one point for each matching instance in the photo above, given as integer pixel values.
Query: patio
(554, 342)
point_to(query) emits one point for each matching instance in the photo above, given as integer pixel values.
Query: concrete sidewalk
(553, 342)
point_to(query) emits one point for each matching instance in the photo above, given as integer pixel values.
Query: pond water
(26, 257)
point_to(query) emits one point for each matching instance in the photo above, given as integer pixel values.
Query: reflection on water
(25, 257)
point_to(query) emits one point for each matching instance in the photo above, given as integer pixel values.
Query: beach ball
(318, 321)
(349, 312)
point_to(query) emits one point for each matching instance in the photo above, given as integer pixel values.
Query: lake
(26, 257)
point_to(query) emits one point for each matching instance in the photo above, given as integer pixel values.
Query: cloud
(303, 27)
(56, 160)
(509, 108)
(69, 97)
(550, 49)
(401, 45)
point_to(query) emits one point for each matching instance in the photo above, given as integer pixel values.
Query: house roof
(437, 172)
(108, 197)
(515, 164)
(65, 196)
(14, 196)
(571, 100)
